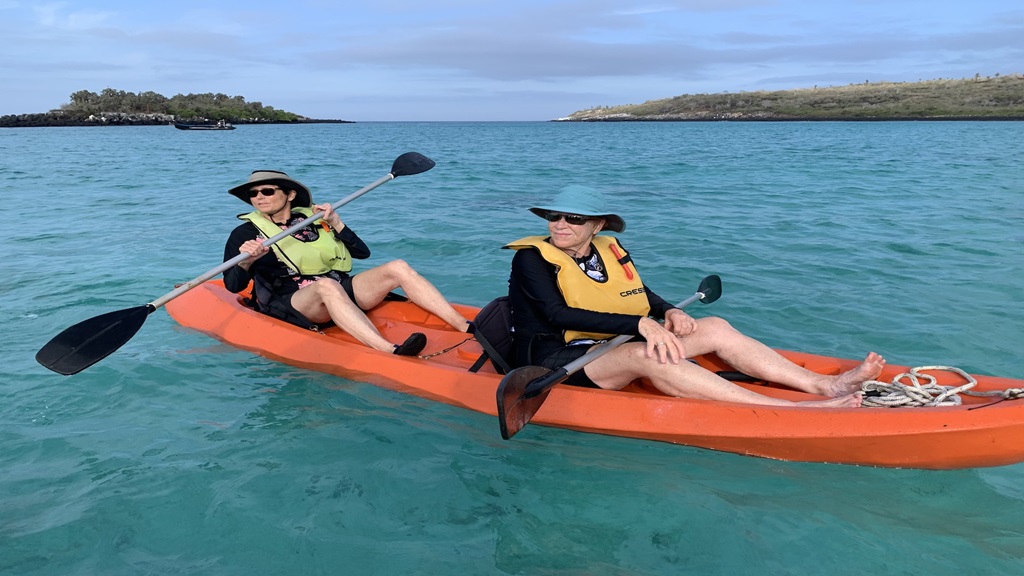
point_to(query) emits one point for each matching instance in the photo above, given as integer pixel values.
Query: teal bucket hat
(585, 201)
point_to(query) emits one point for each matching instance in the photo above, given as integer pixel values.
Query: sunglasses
(265, 191)
(574, 219)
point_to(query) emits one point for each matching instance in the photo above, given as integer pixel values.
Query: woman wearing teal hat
(574, 288)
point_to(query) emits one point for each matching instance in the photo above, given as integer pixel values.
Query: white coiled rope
(929, 393)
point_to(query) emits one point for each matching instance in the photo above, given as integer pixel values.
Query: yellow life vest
(623, 292)
(304, 258)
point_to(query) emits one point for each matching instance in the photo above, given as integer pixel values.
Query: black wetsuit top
(540, 314)
(271, 272)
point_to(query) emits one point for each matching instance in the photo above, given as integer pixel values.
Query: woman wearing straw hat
(306, 280)
(573, 288)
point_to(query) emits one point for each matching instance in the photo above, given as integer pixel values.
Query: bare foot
(851, 380)
(847, 401)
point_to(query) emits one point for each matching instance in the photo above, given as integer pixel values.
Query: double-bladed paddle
(523, 390)
(89, 341)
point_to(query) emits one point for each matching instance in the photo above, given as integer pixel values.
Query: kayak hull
(981, 432)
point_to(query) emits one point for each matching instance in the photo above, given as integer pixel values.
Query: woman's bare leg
(758, 360)
(370, 288)
(629, 361)
(325, 300)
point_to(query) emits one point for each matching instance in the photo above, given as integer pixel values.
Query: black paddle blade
(411, 163)
(711, 287)
(92, 340)
(514, 409)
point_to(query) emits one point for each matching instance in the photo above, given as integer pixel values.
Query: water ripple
(180, 455)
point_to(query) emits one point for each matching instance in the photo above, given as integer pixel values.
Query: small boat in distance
(220, 125)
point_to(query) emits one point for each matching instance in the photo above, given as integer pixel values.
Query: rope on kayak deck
(930, 393)
(448, 349)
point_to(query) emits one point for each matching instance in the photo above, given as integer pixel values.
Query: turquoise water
(180, 455)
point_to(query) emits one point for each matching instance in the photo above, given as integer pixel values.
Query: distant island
(977, 98)
(119, 108)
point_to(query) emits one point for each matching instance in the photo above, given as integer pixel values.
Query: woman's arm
(342, 233)
(659, 306)
(237, 278)
(356, 247)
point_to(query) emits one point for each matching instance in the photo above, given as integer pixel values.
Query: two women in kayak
(569, 290)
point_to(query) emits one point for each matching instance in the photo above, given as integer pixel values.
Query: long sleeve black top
(269, 267)
(540, 313)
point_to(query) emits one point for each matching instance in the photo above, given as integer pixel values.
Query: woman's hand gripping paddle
(523, 390)
(89, 341)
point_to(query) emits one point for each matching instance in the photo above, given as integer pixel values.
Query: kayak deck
(981, 432)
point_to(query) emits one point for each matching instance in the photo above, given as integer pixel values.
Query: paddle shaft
(538, 386)
(182, 288)
(89, 341)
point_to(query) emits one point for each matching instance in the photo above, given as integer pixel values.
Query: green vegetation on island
(978, 98)
(117, 107)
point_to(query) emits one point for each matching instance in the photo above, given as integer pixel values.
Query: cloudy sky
(393, 60)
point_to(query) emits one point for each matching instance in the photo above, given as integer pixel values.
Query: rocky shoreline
(59, 118)
(1000, 97)
(765, 117)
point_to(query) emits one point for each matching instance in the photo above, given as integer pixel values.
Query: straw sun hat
(302, 195)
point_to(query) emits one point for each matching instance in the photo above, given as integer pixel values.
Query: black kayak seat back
(492, 328)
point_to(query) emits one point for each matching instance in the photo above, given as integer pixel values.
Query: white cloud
(531, 58)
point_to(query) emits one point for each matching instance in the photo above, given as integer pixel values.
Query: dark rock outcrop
(61, 118)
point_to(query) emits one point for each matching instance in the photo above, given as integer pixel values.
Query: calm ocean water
(179, 455)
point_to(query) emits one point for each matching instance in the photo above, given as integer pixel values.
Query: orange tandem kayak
(980, 432)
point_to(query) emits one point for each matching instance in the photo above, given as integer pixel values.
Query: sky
(479, 60)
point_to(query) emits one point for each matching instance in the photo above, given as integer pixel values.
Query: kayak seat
(492, 328)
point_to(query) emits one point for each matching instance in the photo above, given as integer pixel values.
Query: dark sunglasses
(574, 219)
(264, 191)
